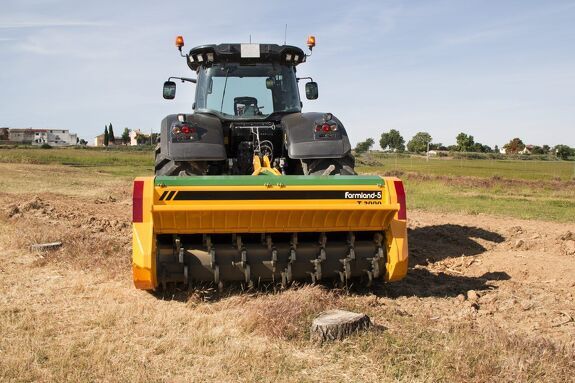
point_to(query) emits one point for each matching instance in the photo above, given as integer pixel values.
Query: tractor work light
(288, 56)
(179, 42)
(210, 56)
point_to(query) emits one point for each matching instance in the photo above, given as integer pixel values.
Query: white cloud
(477, 37)
(47, 23)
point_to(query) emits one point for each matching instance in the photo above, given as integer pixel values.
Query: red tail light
(138, 202)
(402, 213)
(326, 127)
(318, 128)
(186, 129)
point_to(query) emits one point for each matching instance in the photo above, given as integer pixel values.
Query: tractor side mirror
(311, 92)
(169, 91)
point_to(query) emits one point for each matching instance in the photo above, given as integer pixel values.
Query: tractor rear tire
(341, 166)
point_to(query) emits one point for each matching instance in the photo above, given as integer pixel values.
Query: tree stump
(336, 325)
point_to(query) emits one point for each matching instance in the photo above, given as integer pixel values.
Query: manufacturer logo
(363, 195)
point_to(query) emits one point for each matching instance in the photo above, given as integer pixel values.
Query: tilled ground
(72, 313)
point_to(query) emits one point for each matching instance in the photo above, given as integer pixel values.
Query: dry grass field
(488, 297)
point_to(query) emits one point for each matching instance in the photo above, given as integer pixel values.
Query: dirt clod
(472, 296)
(569, 247)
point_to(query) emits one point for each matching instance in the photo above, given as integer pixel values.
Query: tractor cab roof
(206, 55)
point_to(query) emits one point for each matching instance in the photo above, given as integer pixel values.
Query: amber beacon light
(311, 42)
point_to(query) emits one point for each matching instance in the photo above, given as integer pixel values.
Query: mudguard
(303, 142)
(206, 143)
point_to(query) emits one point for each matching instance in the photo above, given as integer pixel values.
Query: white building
(134, 134)
(52, 137)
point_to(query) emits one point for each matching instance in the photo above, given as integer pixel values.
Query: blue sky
(493, 69)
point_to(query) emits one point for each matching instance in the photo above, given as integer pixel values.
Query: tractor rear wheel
(165, 166)
(341, 166)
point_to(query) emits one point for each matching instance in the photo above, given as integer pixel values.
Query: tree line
(422, 142)
(110, 138)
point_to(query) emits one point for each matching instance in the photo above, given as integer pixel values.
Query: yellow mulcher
(244, 195)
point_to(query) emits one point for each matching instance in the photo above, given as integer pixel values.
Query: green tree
(83, 142)
(419, 142)
(564, 152)
(546, 149)
(537, 150)
(126, 136)
(392, 140)
(514, 146)
(465, 143)
(364, 146)
(479, 148)
(106, 136)
(111, 136)
(496, 149)
(437, 146)
(487, 149)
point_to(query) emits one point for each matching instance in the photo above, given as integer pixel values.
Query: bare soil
(486, 299)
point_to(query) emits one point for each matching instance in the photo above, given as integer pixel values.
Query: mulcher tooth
(369, 278)
(316, 274)
(293, 247)
(243, 263)
(287, 276)
(274, 253)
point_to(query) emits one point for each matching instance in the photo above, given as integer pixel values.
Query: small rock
(472, 295)
(461, 298)
(569, 247)
(519, 244)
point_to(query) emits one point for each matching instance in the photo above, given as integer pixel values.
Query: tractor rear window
(247, 92)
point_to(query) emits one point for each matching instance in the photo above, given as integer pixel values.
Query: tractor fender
(205, 144)
(303, 142)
